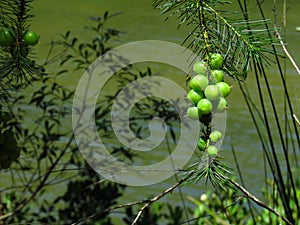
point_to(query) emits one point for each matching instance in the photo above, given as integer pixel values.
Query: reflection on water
(141, 22)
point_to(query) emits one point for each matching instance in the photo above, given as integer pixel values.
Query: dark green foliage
(16, 67)
(88, 196)
(151, 215)
(156, 214)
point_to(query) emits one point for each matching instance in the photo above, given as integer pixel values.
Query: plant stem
(256, 200)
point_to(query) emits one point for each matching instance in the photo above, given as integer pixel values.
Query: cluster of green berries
(208, 94)
(9, 151)
(9, 39)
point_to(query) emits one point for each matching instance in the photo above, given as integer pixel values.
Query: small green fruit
(199, 83)
(212, 92)
(222, 105)
(200, 68)
(201, 144)
(212, 150)
(31, 38)
(215, 136)
(224, 89)
(194, 96)
(216, 60)
(193, 113)
(7, 37)
(204, 106)
(218, 75)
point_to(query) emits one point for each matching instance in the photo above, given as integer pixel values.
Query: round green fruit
(193, 113)
(215, 136)
(198, 83)
(216, 60)
(201, 144)
(224, 89)
(212, 92)
(212, 150)
(7, 37)
(194, 96)
(222, 105)
(31, 38)
(200, 68)
(204, 106)
(218, 75)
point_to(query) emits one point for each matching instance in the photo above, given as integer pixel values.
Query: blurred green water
(141, 22)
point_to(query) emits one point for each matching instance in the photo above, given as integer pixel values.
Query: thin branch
(148, 203)
(277, 34)
(297, 120)
(257, 201)
(156, 198)
(109, 210)
(286, 52)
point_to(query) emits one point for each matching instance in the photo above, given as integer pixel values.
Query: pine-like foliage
(214, 29)
(16, 66)
(242, 42)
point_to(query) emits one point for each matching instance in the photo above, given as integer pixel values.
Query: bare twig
(297, 120)
(256, 200)
(286, 51)
(277, 34)
(148, 203)
(154, 199)
(110, 209)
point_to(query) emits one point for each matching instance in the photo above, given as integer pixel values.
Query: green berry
(7, 37)
(224, 89)
(198, 83)
(212, 92)
(31, 38)
(218, 75)
(204, 106)
(221, 105)
(216, 60)
(200, 68)
(194, 96)
(193, 113)
(212, 150)
(215, 136)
